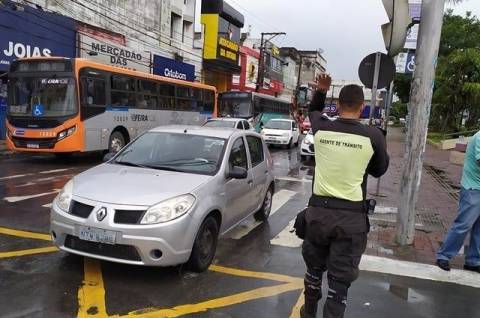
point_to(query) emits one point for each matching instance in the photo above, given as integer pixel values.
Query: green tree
(457, 87)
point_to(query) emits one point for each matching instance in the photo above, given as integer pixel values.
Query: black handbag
(300, 225)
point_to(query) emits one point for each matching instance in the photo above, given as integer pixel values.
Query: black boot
(304, 314)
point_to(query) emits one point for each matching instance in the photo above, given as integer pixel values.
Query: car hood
(274, 132)
(116, 184)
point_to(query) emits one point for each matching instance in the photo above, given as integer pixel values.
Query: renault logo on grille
(101, 214)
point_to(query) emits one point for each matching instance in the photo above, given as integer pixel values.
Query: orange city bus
(62, 106)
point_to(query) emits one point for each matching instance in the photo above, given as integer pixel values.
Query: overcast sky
(347, 30)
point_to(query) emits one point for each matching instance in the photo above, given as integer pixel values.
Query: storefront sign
(34, 33)
(252, 72)
(228, 50)
(174, 69)
(107, 52)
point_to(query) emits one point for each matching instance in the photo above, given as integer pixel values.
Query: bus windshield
(239, 108)
(42, 97)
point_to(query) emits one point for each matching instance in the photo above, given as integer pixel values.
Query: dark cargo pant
(335, 241)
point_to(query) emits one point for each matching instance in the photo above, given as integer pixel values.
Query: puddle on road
(406, 293)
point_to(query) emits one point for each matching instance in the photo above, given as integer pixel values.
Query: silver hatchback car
(166, 197)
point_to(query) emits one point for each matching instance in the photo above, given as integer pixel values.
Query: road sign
(366, 71)
(406, 63)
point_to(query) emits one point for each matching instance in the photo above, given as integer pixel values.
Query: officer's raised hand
(324, 82)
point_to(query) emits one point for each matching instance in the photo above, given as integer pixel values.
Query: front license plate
(92, 234)
(33, 146)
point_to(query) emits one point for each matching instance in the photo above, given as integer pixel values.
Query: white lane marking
(304, 180)
(14, 177)
(48, 205)
(416, 270)
(279, 199)
(54, 171)
(287, 239)
(27, 197)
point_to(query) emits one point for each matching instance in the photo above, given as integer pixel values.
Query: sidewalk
(436, 206)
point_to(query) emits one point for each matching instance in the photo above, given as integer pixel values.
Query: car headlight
(64, 198)
(168, 210)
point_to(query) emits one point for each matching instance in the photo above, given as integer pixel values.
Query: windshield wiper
(155, 167)
(130, 164)
(188, 162)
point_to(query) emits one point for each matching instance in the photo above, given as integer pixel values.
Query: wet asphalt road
(258, 267)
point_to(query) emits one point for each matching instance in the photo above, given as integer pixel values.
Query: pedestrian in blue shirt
(468, 219)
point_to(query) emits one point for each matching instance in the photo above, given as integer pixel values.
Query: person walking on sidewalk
(468, 218)
(336, 222)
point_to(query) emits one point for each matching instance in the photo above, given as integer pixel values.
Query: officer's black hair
(351, 96)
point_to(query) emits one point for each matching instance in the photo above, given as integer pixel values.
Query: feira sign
(107, 52)
(228, 50)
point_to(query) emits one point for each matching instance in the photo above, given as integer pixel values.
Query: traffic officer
(336, 222)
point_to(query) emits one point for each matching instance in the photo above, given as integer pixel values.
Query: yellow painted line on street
(32, 251)
(91, 295)
(25, 234)
(296, 309)
(260, 275)
(259, 293)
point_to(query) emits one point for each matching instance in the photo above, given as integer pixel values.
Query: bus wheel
(117, 142)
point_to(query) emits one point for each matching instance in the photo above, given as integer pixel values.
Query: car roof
(217, 132)
(281, 119)
(225, 119)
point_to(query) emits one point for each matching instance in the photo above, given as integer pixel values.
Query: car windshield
(278, 124)
(174, 152)
(220, 123)
(42, 97)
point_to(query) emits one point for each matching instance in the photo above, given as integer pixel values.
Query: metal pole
(420, 105)
(260, 66)
(376, 74)
(388, 106)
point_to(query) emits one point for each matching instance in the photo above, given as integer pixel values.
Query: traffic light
(395, 32)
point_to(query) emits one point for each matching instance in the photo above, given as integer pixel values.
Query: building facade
(138, 31)
(221, 46)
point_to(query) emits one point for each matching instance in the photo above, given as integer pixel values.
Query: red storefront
(247, 80)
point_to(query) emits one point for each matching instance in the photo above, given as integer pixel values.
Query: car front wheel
(204, 246)
(264, 212)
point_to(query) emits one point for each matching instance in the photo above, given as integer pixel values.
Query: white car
(282, 132)
(238, 123)
(307, 148)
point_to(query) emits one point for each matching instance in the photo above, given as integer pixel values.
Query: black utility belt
(341, 204)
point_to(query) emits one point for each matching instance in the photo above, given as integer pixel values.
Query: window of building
(176, 26)
(228, 30)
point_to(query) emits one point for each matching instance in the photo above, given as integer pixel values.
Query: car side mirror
(109, 156)
(238, 173)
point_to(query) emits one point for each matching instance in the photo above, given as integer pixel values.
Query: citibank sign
(164, 66)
